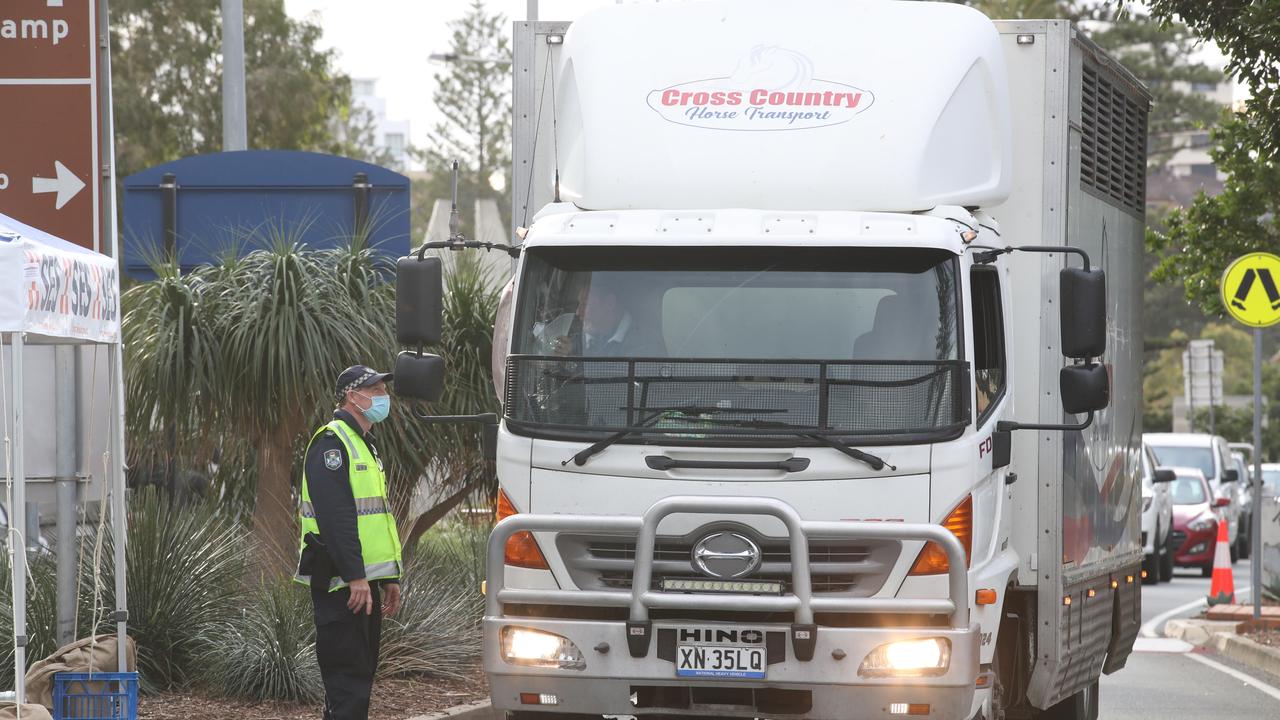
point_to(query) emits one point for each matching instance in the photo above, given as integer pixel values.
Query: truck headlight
(526, 646)
(908, 658)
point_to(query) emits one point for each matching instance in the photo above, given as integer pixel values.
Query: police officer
(350, 553)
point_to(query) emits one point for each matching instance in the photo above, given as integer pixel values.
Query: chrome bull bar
(640, 599)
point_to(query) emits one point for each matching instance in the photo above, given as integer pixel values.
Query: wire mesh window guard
(698, 398)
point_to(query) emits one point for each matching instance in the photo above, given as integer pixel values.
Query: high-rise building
(391, 136)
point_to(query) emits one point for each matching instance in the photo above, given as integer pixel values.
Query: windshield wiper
(581, 457)
(874, 461)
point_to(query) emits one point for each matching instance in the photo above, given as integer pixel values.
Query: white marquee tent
(55, 293)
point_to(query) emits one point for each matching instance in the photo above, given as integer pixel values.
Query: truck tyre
(1081, 706)
(1242, 541)
(1166, 565)
(1235, 556)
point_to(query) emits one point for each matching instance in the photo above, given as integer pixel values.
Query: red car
(1195, 520)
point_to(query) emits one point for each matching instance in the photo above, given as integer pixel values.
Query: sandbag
(9, 711)
(87, 655)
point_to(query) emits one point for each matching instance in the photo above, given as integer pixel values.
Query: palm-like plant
(236, 361)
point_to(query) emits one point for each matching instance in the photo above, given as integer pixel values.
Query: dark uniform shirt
(335, 509)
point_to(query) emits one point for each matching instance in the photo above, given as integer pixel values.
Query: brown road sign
(49, 153)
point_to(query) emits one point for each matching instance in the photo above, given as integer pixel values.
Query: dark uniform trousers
(347, 652)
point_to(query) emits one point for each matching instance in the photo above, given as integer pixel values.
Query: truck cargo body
(714, 306)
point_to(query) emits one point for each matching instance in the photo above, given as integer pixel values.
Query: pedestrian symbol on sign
(1249, 290)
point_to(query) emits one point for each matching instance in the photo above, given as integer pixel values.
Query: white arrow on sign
(67, 185)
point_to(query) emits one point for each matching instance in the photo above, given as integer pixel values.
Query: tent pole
(18, 522)
(119, 529)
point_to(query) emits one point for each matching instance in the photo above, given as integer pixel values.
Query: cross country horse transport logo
(772, 88)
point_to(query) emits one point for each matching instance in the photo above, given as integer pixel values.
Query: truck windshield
(737, 339)
(1200, 458)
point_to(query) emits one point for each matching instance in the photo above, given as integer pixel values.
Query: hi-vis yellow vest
(379, 540)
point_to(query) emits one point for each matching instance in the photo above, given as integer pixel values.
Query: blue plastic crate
(95, 696)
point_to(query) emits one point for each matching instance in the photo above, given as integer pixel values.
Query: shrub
(437, 629)
(268, 652)
(186, 568)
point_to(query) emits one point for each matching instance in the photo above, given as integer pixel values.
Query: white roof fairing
(810, 104)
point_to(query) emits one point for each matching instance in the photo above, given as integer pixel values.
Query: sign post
(49, 154)
(1250, 295)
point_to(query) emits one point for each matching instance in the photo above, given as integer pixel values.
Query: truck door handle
(662, 462)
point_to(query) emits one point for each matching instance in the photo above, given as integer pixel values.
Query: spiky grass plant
(186, 568)
(268, 650)
(436, 631)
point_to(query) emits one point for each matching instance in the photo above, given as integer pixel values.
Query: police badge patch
(333, 459)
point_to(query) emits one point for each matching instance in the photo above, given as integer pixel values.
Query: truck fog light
(908, 658)
(526, 646)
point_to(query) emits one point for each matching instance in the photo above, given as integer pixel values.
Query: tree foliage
(167, 83)
(1248, 33)
(1199, 241)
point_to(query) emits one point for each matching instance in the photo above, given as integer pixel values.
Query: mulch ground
(392, 700)
(1270, 638)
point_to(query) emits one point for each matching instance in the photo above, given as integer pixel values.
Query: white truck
(816, 402)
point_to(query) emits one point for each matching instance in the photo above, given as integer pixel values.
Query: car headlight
(526, 646)
(908, 658)
(1202, 524)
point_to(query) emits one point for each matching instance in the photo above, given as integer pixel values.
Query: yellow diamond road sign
(1251, 289)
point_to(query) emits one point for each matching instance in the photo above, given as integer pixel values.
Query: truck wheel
(1242, 544)
(1166, 565)
(1081, 706)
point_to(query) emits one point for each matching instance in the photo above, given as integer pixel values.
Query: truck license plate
(721, 661)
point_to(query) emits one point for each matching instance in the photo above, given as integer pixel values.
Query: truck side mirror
(1230, 475)
(419, 302)
(1082, 312)
(1163, 475)
(1083, 388)
(419, 377)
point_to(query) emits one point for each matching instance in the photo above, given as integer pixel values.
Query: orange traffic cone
(1222, 591)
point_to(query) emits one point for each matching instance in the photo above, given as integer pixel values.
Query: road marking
(1149, 628)
(1161, 645)
(1242, 677)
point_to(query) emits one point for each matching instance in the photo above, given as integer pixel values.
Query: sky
(390, 41)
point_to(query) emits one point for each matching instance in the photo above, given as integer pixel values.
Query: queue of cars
(1191, 483)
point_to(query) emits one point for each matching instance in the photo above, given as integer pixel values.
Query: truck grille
(836, 567)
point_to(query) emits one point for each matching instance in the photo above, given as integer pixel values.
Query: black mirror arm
(461, 243)
(482, 418)
(989, 254)
(1008, 425)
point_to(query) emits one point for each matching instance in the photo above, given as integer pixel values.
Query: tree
(1200, 241)
(1248, 33)
(473, 94)
(167, 83)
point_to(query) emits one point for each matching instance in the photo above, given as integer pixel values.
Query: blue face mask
(380, 408)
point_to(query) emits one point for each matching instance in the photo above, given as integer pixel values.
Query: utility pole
(235, 127)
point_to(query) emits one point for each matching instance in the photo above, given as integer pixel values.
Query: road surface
(1168, 680)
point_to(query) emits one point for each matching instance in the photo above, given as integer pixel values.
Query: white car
(1212, 456)
(1270, 479)
(1157, 519)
